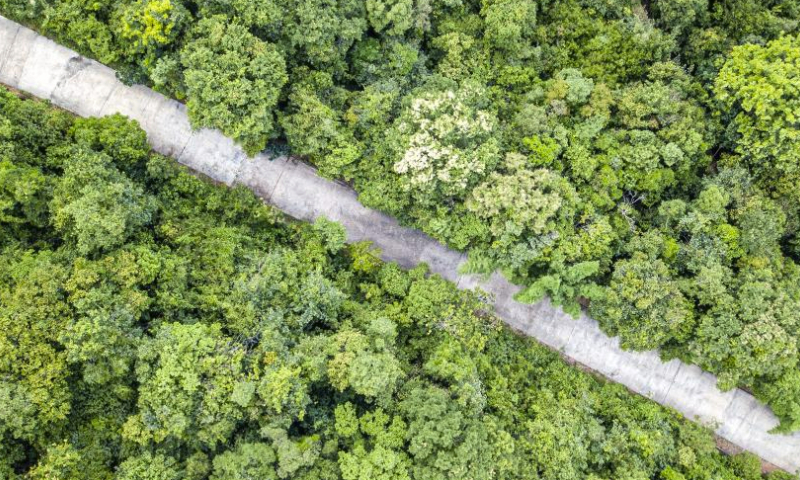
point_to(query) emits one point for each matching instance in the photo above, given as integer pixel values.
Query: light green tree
(148, 466)
(97, 206)
(510, 24)
(246, 461)
(391, 16)
(365, 362)
(644, 305)
(757, 94)
(187, 374)
(147, 27)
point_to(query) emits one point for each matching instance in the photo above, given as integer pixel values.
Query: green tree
(322, 31)
(84, 24)
(147, 27)
(118, 137)
(391, 16)
(34, 386)
(23, 195)
(565, 287)
(365, 363)
(679, 16)
(233, 81)
(372, 445)
(314, 127)
(510, 24)
(63, 461)
(755, 20)
(246, 461)
(755, 94)
(97, 206)
(444, 443)
(187, 374)
(782, 397)
(644, 305)
(276, 392)
(148, 466)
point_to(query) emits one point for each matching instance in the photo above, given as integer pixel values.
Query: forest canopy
(637, 158)
(156, 326)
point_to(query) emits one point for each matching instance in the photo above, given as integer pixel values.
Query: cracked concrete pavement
(36, 65)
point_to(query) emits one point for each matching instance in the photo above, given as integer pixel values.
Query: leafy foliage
(757, 89)
(219, 342)
(233, 81)
(636, 157)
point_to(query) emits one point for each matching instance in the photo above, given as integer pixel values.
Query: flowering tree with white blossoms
(446, 142)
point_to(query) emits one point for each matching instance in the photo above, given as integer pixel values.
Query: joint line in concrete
(459, 276)
(238, 170)
(671, 383)
(108, 97)
(572, 332)
(271, 192)
(180, 154)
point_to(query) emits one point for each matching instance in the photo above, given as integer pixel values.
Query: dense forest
(638, 159)
(154, 326)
